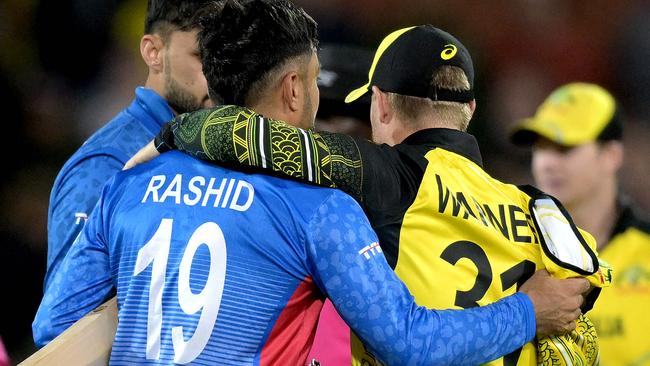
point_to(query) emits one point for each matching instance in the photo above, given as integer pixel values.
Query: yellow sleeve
(361, 356)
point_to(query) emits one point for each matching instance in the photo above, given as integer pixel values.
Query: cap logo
(561, 96)
(448, 52)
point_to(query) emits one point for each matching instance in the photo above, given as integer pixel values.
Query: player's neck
(403, 129)
(272, 106)
(157, 84)
(597, 214)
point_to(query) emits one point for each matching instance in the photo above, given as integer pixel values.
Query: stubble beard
(179, 99)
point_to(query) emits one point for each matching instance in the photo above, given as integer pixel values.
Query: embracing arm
(348, 265)
(237, 135)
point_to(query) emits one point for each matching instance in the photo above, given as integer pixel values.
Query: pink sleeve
(4, 358)
(332, 341)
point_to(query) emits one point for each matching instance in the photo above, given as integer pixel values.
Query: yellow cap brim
(530, 129)
(527, 132)
(357, 93)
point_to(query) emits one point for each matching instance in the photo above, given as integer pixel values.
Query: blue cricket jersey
(218, 267)
(80, 181)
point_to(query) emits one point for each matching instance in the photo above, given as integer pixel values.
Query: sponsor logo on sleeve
(372, 249)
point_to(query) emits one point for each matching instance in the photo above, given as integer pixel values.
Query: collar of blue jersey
(150, 108)
(460, 142)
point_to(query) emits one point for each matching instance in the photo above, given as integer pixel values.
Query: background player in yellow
(577, 150)
(457, 237)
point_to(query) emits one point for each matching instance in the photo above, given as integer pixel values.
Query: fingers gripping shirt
(568, 252)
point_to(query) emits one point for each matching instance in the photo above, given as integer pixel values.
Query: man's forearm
(236, 135)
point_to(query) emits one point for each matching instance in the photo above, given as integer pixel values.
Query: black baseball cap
(343, 67)
(407, 59)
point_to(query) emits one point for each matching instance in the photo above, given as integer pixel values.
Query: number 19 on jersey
(208, 300)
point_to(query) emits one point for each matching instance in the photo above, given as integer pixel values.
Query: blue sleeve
(81, 283)
(348, 266)
(74, 196)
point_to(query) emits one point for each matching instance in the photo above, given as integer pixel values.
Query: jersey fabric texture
(78, 185)
(437, 213)
(623, 333)
(214, 266)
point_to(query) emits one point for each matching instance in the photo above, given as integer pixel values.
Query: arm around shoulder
(348, 265)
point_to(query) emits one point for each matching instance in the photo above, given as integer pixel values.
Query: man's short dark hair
(165, 16)
(241, 41)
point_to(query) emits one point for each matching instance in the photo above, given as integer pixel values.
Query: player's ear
(472, 106)
(292, 93)
(152, 50)
(614, 154)
(384, 108)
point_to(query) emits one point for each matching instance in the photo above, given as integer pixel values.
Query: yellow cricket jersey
(622, 316)
(467, 240)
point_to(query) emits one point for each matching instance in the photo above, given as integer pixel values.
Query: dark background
(68, 66)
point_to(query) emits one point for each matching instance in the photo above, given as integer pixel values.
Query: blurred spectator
(576, 137)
